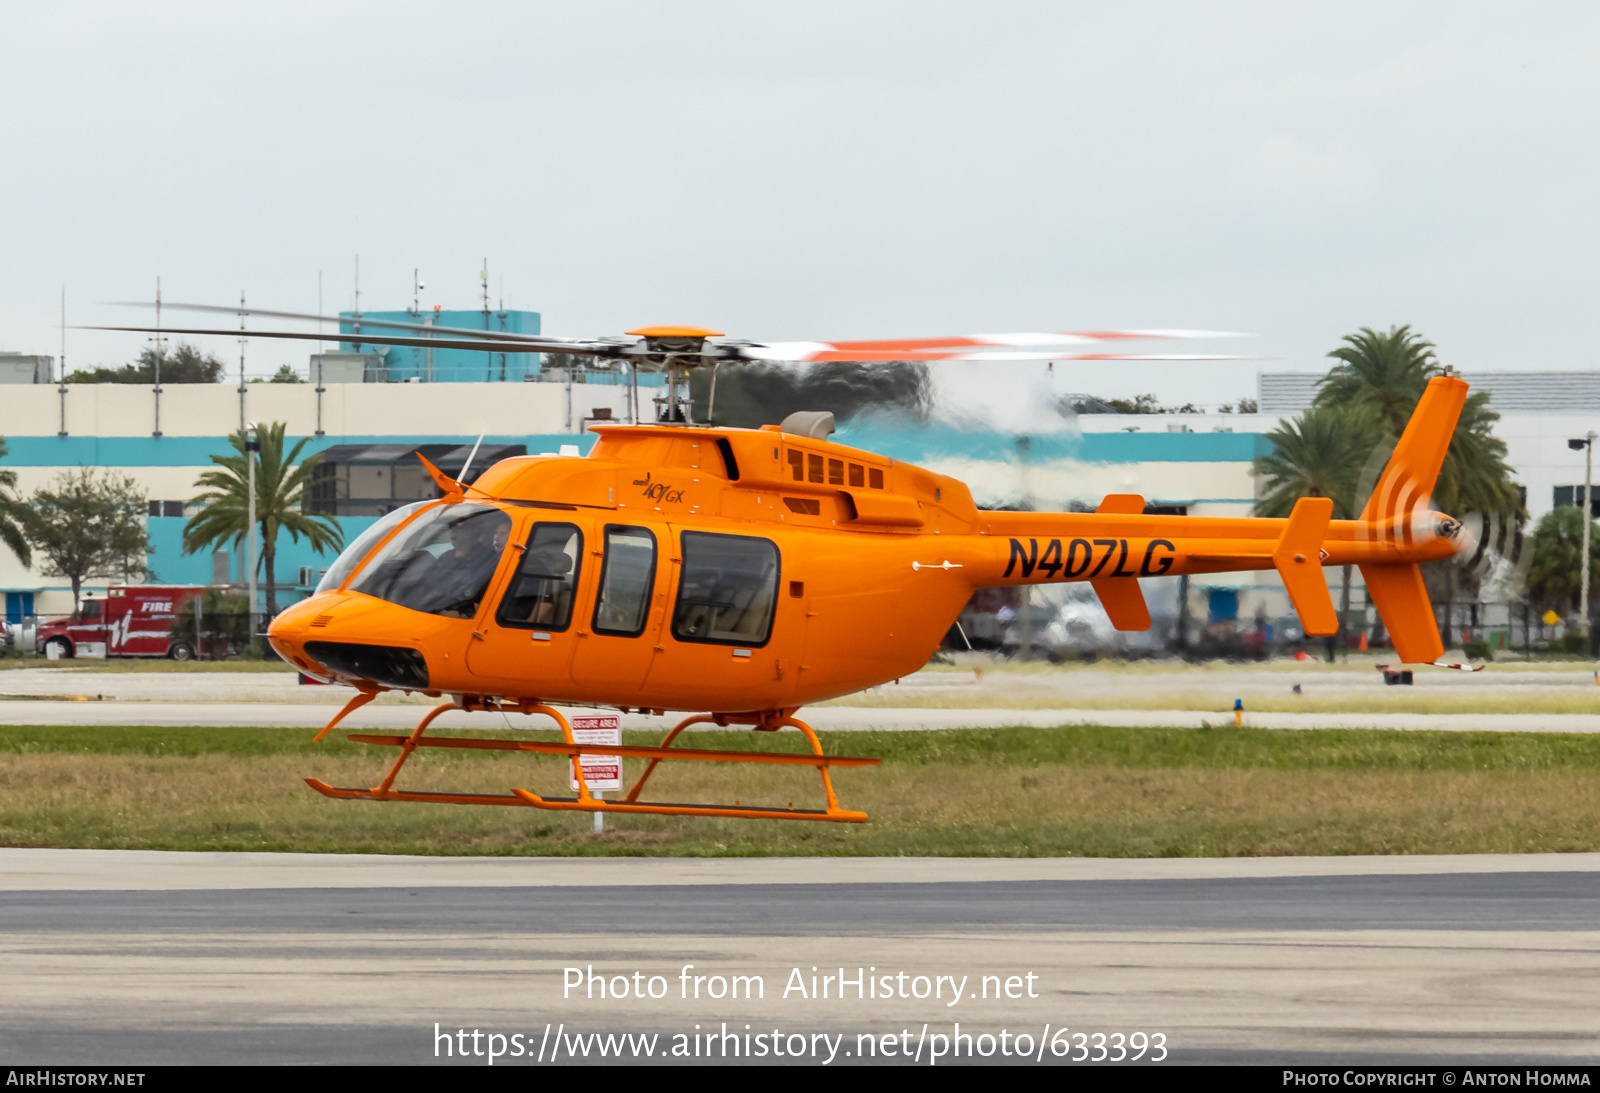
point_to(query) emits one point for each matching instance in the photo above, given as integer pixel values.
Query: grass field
(1010, 792)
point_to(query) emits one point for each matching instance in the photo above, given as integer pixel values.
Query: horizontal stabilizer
(1123, 600)
(1401, 598)
(1298, 560)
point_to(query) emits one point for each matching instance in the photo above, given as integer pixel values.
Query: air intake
(389, 665)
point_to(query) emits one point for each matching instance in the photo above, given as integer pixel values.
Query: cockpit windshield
(441, 562)
(351, 556)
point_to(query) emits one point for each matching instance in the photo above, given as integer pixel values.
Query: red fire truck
(132, 620)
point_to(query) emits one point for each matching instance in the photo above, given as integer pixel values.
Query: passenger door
(722, 634)
(617, 641)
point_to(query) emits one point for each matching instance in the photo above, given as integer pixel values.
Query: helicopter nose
(294, 626)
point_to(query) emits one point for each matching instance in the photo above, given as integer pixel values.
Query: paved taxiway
(826, 718)
(150, 957)
(931, 700)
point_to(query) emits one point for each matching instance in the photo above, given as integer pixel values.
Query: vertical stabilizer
(1402, 601)
(1414, 466)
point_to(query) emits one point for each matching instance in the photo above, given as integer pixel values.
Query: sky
(820, 170)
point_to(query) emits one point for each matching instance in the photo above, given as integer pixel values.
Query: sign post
(600, 772)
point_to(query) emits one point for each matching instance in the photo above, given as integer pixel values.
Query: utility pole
(251, 447)
(1586, 442)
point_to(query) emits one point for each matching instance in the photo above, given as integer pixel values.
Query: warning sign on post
(600, 771)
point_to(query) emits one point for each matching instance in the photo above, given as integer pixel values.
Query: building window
(1567, 496)
(727, 593)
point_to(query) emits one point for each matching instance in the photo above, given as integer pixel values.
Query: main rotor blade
(1030, 341)
(363, 320)
(476, 345)
(809, 352)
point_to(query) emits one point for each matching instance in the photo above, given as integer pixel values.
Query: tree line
(181, 364)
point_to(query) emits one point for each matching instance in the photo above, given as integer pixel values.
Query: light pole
(252, 447)
(1586, 442)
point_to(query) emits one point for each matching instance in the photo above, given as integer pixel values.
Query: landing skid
(586, 802)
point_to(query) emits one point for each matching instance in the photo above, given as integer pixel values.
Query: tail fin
(1396, 590)
(1414, 466)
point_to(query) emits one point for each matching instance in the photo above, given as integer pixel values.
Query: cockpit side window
(541, 591)
(626, 578)
(728, 589)
(441, 562)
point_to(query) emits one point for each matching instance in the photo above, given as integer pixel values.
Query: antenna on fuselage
(462, 477)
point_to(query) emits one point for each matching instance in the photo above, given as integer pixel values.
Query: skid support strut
(585, 801)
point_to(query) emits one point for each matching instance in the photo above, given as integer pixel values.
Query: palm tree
(280, 488)
(1320, 454)
(1385, 373)
(13, 514)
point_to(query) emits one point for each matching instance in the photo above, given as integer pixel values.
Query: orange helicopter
(743, 573)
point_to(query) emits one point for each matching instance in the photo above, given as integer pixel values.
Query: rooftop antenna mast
(483, 275)
(502, 312)
(241, 361)
(321, 349)
(160, 351)
(62, 390)
(355, 316)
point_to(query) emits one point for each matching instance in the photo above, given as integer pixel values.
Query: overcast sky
(821, 170)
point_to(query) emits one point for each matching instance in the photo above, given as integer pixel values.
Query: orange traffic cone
(1363, 641)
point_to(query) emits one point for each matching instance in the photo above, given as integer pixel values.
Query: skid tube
(585, 801)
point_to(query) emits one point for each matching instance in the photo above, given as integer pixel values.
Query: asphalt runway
(290, 958)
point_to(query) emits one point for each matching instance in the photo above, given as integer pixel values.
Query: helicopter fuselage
(734, 570)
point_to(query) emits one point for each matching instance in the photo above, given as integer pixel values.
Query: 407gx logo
(658, 491)
(1082, 554)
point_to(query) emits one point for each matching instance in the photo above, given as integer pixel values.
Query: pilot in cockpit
(464, 571)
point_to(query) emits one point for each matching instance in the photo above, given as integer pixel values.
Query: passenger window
(855, 474)
(441, 562)
(626, 578)
(815, 467)
(798, 462)
(540, 595)
(875, 478)
(835, 472)
(728, 589)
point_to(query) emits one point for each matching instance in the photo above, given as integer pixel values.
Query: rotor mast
(676, 349)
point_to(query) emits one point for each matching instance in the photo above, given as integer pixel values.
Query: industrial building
(403, 364)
